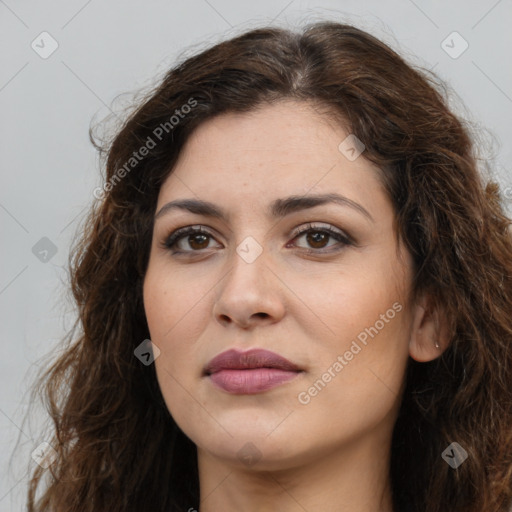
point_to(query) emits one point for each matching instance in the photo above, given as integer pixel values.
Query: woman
(298, 224)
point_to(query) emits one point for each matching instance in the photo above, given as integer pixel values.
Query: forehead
(283, 131)
(287, 145)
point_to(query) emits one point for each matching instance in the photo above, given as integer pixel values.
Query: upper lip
(256, 358)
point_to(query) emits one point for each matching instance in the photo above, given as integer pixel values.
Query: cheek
(172, 300)
(357, 386)
(343, 305)
(176, 312)
(360, 364)
(166, 313)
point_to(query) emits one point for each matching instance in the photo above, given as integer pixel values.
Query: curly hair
(119, 448)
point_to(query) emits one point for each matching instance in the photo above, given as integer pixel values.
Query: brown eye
(317, 238)
(197, 239)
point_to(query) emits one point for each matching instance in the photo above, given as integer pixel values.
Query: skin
(332, 453)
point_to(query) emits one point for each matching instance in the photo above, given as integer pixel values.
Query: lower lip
(254, 380)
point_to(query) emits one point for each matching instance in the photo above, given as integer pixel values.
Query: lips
(250, 372)
(255, 358)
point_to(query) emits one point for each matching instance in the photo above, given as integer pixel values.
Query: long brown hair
(117, 444)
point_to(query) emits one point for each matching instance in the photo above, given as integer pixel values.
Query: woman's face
(336, 309)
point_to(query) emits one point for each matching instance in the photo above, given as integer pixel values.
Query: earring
(436, 344)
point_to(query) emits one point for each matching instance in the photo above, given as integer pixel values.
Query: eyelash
(171, 241)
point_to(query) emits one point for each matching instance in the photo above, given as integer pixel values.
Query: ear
(429, 333)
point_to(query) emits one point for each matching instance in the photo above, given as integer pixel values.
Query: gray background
(49, 169)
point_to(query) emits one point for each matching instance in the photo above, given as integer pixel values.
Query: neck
(354, 478)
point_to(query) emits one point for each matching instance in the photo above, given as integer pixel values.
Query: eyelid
(326, 227)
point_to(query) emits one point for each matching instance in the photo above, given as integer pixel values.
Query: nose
(250, 293)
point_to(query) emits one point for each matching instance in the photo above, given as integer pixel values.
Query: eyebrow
(279, 208)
